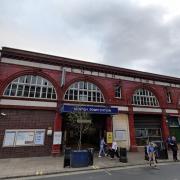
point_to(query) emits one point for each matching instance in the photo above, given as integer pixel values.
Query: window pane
(28, 79)
(22, 79)
(44, 92)
(33, 81)
(20, 90)
(7, 91)
(38, 90)
(49, 92)
(81, 85)
(32, 91)
(39, 80)
(26, 91)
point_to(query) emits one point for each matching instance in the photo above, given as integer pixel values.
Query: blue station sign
(89, 109)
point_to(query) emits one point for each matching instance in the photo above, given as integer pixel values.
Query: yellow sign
(109, 137)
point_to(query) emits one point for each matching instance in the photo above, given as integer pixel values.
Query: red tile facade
(44, 117)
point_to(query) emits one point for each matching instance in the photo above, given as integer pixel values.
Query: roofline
(68, 62)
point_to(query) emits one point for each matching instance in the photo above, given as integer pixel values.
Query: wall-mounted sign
(24, 137)
(109, 137)
(120, 135)
(84, 121)
(89, 109)
(9, 138)
(39, 137)
(57, 137)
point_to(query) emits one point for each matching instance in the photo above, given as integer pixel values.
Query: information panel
(57, 137)
(24, 137)
(9, 138)
(39, 137)
(120, 135)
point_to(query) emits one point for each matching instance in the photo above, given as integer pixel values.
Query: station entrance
(91, 131)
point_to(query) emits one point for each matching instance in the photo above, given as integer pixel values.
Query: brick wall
(26, 119)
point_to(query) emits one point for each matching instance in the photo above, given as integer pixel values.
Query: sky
(143, 35)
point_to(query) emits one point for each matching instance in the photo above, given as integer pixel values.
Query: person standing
(174, 148)
(168, 141)
(101, 150)
(151, 153)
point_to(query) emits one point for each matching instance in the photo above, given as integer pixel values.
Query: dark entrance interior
(93, 130)
(147, 128)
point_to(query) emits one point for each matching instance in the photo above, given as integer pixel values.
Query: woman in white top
(114, 150)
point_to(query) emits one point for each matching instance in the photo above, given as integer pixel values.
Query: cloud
(118, 32)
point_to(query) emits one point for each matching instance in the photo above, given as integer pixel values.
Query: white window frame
(117, 89)
(30, 82)
(169, 98)
(86, 92)
(144, 97)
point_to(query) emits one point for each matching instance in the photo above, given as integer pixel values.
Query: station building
(38, 91)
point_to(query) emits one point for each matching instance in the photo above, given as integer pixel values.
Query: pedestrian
(168, 141)
(102, 145)
(114, 150)
(174, 148)
(151, 151)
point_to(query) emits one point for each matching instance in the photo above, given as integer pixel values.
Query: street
(169, 171)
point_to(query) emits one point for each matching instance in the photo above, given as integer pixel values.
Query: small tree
(75, 119)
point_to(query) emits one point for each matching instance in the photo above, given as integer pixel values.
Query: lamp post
(2, 115)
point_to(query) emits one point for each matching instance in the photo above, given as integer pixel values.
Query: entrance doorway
(92, 130)
(147, 128)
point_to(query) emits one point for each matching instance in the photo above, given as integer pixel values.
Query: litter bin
(123, 155)
(67, 153)
(91, 156)
(79, 158)
(162, 152)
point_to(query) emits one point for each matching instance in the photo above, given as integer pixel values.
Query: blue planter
(79, 158)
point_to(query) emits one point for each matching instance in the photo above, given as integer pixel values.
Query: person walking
(114, 150)
(151, 151)
(101, 150)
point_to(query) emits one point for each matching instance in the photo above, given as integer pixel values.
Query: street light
(2, 115)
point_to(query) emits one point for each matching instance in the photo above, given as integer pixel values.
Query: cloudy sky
(135, 34)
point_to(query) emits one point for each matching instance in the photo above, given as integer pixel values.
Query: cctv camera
(3, 114)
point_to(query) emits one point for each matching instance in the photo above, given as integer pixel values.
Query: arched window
(30, 86)
(143, 97)
(85, 92)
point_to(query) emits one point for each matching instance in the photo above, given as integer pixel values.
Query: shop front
(174, 126)
(147, 128)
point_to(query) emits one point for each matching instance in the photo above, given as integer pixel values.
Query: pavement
(36, 166)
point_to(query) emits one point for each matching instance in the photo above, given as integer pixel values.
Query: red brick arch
(30, 72)
(87, 79)
(149, 88)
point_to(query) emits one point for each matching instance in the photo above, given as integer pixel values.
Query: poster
(39, 137)
(109, 137)
(25, 138)
(57, 137)
(9, 138)
(120, 135)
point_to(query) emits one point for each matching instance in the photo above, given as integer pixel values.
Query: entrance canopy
(89, 109)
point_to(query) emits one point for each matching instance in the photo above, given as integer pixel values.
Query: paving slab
(22, 167)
